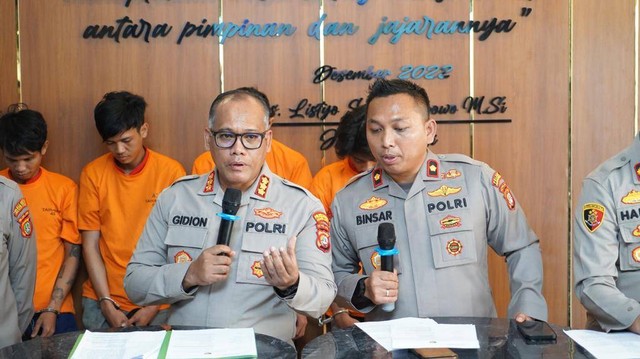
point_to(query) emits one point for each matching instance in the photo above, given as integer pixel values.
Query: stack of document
(619, 345)
(408, 333)
(204, 343)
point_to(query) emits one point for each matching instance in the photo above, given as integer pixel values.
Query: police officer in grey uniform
(445, 210)
(278, 261)
(17, 263)
(607, 243)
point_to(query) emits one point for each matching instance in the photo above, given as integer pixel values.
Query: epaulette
(358, 176)
(605, 169)
(185, 178)
(457, 157)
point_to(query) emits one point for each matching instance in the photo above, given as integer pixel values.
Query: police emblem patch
(444, 191)
(182, 257)
(451, 174)
(432, 168)
(208, 187)
(633, 197)
(592, 216)
(376, 177)
(256, 269)
(454, 247)
(263, 186)
(375, 259)
(267, 213)
(323, 241)
(636, 231)
(635, 254)
(373, 203)
(498, 182)
(450, 222)
(25, 224)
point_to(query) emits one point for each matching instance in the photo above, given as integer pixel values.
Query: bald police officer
(445, 210)
(17, 263)
(278, 261)
(607, 243)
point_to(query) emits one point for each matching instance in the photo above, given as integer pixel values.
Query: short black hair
(22, 131)
(351, 138)
(241, 92)
(384, 88)
(118, 112)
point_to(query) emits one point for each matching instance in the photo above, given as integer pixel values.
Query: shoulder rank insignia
(263, 186)
(444, 191)
(632, 197)
(376, 177)
(592, 216)
(432, 169)
(373, 203)
(208, 187)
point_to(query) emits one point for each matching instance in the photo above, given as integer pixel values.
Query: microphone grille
(386, 235)
(231, 201)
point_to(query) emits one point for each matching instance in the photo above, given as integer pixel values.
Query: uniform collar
(261, 189)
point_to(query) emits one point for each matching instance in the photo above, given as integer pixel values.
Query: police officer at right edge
(445, 209)
(607, 243)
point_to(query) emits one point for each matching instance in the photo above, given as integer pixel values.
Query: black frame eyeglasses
(226, 139)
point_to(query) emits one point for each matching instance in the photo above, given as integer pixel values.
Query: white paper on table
(212, 343)
(119, 345)
(406, 333)
(607, 345)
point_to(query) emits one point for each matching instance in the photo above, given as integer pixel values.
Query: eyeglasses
(226, 139)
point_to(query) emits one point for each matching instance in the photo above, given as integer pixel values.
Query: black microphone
(230, 205)
(387, 242)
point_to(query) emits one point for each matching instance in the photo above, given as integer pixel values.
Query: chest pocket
(367, 241)
(452, 239)
(629, 248)
(253, 245)
(184, 244)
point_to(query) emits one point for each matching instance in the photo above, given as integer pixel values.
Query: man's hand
(301, 325)
(344, 320)
(143, 316)
(382, 287)
(114, 317)
(280, 267)
(211, 266)
(521, 318)
(47, 322)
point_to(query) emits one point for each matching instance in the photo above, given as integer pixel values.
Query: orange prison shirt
(282, 160)
(117, 205)
(329, 180)
(52, 200)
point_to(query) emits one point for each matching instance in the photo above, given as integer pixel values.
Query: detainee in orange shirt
(352, 148)
(282, 160)
(52, 200)
(117, 192)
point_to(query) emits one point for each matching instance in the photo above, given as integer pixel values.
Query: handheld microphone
(230, 205)
(386, 249)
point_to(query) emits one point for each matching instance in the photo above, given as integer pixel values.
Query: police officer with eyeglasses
(278, 261)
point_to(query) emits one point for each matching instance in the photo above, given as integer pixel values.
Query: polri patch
(182, 257)
(26, 228)
(592, 216)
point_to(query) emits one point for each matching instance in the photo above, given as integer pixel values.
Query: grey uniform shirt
(184, 222)
(17, 263)
(607, 241)
(455, 207)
